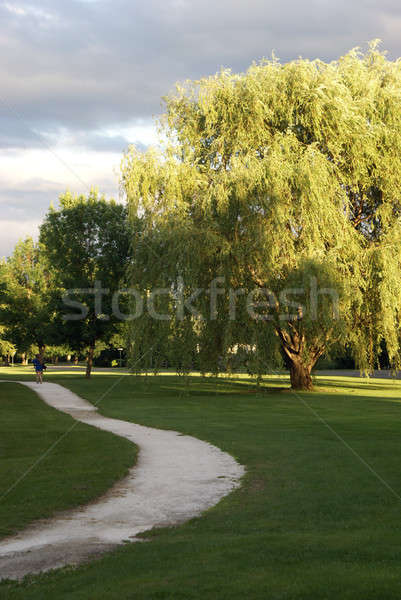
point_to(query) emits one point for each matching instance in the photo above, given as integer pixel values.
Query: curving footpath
(176, 477)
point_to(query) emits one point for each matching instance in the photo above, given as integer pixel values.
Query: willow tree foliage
(281, 189)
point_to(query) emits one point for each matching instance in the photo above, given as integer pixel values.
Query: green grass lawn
(84, 464)
(310, 521)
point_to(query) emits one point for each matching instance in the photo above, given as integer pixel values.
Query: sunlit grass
(310, 520)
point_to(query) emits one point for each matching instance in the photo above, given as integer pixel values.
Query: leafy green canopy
(26, 283)
(6, 347)
(284, 177)
(86, 241)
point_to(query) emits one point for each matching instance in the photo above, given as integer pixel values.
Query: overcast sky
(81, 79)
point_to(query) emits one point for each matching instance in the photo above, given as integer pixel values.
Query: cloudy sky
(81, 79)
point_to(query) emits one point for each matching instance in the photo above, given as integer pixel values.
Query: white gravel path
(176, 477)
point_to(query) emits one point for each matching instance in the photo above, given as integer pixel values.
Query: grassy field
(311, 520)
(81, 466)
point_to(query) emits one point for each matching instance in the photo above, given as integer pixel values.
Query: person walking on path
(38, 366)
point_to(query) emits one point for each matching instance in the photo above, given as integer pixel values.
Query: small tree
(26, 289)
(87, 243)
(7, 349)
(281, 185)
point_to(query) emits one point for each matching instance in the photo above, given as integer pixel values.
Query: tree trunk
(89, 361)
(41, 348)
(24, 360)
(300, 376)
(299, 362)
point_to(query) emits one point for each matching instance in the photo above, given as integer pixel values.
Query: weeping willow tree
(270, 219)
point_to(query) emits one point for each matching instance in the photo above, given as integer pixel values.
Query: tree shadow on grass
(366, 384)
(212, 386)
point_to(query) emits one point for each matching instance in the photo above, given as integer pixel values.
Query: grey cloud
(14, 133)
(94, 141)
(86, 64)
(104, 143)
(33, 198)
